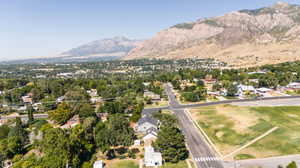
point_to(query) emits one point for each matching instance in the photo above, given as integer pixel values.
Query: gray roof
(149, 112)
(152, 130)
(148, 119)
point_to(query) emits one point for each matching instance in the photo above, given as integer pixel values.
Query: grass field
(123, 164)
(181, 164)
(230, 127)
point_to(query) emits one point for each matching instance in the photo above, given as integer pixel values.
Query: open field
(230, 127)
(181, 164)
(122, 164)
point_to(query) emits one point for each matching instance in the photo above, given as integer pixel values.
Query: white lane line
(207, 159)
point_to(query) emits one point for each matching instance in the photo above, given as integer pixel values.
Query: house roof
(147, 119)
(246, 87)
(98, 164)
(151, 155)
(152, 131)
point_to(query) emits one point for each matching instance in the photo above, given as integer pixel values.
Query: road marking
(207, 159)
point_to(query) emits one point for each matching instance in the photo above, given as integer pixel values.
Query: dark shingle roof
(148, 119)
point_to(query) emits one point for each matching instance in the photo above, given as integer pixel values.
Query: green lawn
(123, 164)
(229, 127)
(181, 164)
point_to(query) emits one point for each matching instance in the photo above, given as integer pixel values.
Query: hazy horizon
(36, 28)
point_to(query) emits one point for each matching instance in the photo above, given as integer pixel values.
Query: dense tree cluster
(170, 140)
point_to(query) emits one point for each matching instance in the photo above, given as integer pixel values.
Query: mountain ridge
(118, 45)
(238, 38)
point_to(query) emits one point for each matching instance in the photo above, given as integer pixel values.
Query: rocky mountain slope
(117, 47)
(242, 38)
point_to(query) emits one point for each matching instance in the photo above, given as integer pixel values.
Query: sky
(42, 28)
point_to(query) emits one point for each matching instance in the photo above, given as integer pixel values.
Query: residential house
(209, 82)
(294, 86)
(22, 108)
(153, 96)
(146, 123)
(150, 137)
(137, 142)
(36, 106)
(60, 99)
(98, 164)
(146, 84)
(96, 100)
(264, 92)
(244, 90)
(103, 116)
(27, 99)
(152, 158)
(75, 120)
(92, 92)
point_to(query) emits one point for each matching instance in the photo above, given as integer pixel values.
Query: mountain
(100, 50)
(117, 46)
(243, 38)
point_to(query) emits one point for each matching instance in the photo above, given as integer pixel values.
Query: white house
(150, 137)
(60, 99)
(242, 89)
(98, 164)
(152, 158)
(294, 85)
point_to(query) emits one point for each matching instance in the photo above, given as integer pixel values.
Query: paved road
(272, 162)
(290, 100)
(39, 116)
(203, 155)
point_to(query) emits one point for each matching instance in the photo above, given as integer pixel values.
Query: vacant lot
(122, 164)
(230, 127)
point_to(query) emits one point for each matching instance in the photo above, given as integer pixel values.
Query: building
(60, 99)
(146, 123)
(294, 86)
(72, 122)
(92, 92)
(245, 90)
(209, 82)
(98, 164)
(153, 96)
(137, 142)
(150, 137)
(264, 92)
(152, 158)
(27, 99)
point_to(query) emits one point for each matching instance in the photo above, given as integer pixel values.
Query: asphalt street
(203, 155)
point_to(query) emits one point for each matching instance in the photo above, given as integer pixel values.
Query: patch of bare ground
(242, 117)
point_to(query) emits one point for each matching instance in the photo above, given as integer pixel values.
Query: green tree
(170, 142)
(292, 165)
(232, 90)
(30, 111)
(62, 114)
